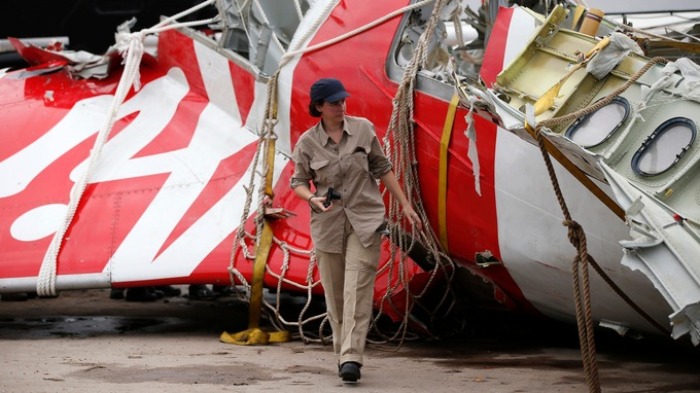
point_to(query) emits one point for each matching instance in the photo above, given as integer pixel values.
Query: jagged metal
(665, 248)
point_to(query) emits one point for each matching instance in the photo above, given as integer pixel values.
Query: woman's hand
(412, 217)
(389, 180)
(316, 203)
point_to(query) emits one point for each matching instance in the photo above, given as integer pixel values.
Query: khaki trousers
(348, 283)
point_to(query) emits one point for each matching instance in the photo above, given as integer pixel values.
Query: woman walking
(342, 156)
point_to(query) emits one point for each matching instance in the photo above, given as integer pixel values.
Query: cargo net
(306, 318)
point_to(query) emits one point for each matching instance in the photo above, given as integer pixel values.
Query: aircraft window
(664, 147)
(597, 127)
(458, 43)
(260, 30)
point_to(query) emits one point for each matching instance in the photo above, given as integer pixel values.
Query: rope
(577, 237)
(399, 145)
(395, 281)
(555, 121)
(170, 20)
(268, 132)
(130, 46)
(132, 50)
(582, 296)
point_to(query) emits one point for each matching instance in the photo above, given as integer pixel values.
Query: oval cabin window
(597, 127)
(664, 147)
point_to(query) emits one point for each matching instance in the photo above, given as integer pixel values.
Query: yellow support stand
(254, 335)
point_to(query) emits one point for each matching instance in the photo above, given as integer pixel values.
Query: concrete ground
(84, 342)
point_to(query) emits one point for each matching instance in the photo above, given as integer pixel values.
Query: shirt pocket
(321, 170)
(359, 160)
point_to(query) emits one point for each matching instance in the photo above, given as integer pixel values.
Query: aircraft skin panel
(143, 195)
(218, 82)
(159, 209)
(498, 40)
(29, 191)
(534, 243)
(168, 193)
(173, 201)
(244, 88)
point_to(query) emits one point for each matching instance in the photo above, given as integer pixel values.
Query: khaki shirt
(352, 168)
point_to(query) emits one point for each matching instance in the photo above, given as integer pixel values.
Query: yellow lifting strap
(254, 335)
(442, 179)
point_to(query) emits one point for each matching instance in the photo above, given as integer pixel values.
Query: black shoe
(142, 294)
(169, 290)
(116, 293)
(350, 372)
(200, 292)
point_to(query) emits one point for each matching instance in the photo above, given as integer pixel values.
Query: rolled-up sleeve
(302, 172)
(378, 163)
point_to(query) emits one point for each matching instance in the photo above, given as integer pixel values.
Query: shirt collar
(324, 138)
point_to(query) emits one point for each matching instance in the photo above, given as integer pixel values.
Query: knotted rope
(399, 145)
(130, 47)
(577, 237)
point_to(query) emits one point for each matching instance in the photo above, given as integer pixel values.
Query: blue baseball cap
(328, 89)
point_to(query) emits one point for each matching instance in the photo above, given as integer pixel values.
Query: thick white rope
(295, 50)
(171, 19)
(130, 46)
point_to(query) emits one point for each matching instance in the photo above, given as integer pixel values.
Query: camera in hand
(331, 194)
